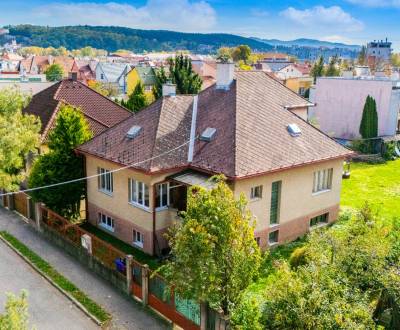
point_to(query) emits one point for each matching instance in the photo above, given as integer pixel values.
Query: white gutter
(193, 129)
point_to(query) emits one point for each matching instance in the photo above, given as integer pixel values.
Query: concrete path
(48, 309)
(126, 313)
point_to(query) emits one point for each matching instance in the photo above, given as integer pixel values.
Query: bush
(246, 316)
(298, 257)
(388, 150)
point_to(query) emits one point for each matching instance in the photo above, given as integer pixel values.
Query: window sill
(320, 225)
(255, 199)
(106, 192)
(272, 243)
(273, 225)
(138, 244)
(321, 192)
(162, 208)
(139, 206)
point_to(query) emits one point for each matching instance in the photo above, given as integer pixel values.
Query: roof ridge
(156, 132)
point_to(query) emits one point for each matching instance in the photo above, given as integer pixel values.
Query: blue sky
(349, 21)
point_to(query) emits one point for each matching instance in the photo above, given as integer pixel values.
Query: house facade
(113, 73)
(143, 74)
(243, 127)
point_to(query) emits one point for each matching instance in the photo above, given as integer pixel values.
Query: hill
(113, 38)
(303, 42)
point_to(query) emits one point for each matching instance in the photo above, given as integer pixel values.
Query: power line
(96, 175)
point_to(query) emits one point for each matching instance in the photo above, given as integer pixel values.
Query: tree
(15, 316)
(369, 120)
(318, 68)
(241, 52)
(62, 164)
(19, 136)
(137, 100)
(224, 54)
(214, 253)
(332, 69)
(362, 56)
(105, 89)
(181, 74)
(54, 72)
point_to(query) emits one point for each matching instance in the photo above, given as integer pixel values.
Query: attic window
(208, 134)
(294, 130)
(133, 132)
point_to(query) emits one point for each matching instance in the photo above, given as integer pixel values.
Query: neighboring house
(207, 70)
(68, 64)
(340, 102)
(300, 85)
(242, 127)
(145, 75)
(294, 70)
(86, 70)
(9, 62)
(35, 64)
(100, 112)
(379, 50)
(113, 73)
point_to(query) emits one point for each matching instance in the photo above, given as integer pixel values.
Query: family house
(143, 74)
(100, 112)
(247, 127)
(113, 73)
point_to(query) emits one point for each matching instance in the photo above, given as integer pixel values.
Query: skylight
(294, 130)
(133, 132)
(208, 134)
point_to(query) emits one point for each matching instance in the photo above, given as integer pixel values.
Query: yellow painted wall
(296, 83)
(132, 79)
(297, 199)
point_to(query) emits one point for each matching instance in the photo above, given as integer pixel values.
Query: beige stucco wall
(297, 199)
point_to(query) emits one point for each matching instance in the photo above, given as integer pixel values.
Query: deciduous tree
(54, 72)
(19, 136)
(318, 68)
(15, 316)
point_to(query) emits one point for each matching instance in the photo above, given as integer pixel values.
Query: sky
(348, 21)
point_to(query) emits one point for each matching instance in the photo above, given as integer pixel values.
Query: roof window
(133, 132)
(208, 134)
(294, 130)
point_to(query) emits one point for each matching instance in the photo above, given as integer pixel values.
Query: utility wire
(96, 175)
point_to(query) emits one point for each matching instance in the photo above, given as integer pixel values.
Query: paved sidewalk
(44, 313)
(126, 314)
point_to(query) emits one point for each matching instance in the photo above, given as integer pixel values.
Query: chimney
(168, 89)
(225, 73)
(73, 76)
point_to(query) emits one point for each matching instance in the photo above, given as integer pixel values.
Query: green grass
(379, 184)
(60, 280)
(137, 254)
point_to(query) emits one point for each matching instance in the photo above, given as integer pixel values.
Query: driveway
(126, 313)
(48, 308)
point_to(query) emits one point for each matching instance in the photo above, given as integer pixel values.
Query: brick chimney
(225, 74)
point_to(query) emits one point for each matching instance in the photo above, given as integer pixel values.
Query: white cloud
(320, 16)
(376, 3)
(183, 15)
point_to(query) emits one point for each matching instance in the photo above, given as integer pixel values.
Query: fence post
(10, 202)
(145, 285)
(129, 264)
(38, 215)
(203, 316)
(221, 321)
(28, 207)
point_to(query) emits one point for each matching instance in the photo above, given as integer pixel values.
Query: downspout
(193, 129)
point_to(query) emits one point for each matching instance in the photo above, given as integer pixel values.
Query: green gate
(188, 308)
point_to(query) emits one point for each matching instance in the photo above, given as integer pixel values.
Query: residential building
(35, 64)
(9, 62)
(300, 85)
(207, 70)
(86, 70)
(379, 50)
(340, 102)
(113, 73)
(293, 70)
(145, 75)
(100, 112)
(247, 127)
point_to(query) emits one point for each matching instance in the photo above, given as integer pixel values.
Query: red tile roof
(250, 118)
(100, 112)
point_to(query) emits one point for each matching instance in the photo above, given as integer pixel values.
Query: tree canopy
(62, 164)
(214, 253)
(317, 69)
(54, 72)
(19, 136)
(332, 70)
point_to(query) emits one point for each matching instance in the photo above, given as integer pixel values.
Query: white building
(113, 73)
(379, 50)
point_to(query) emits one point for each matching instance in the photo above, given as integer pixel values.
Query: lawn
(137, 254)
(378, 184)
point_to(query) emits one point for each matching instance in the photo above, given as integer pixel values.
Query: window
(322, 180)
(102, 76)
(319, 220)
(138, 238)
(275, 202)
(256, 192)
(106, 222)
(105, 180)
(258, 241)
(138, 193)
(162, 195)
(148, 88)
(273, 237)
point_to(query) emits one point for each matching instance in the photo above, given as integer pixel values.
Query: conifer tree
(369, 121)
(137, 100)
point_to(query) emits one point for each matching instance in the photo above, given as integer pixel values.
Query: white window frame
(138, 242)
(253, 191)
(137, 194)
(105, 183)
(322, 181)
(106, 222)
(162, 187)
(277, 240)
(148, 88)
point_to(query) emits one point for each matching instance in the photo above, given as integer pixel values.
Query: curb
(66, 294)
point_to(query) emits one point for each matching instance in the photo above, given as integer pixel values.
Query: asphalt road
(48, 308)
